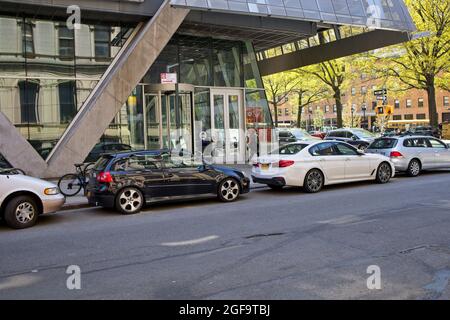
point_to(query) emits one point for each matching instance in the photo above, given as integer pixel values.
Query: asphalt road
(267, 245)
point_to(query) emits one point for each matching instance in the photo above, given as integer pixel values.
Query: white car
(312, 165)
(23, 198)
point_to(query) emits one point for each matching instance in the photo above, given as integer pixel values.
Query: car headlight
(51, 191)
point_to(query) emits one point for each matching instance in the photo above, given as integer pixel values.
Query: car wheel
(414, 168)
(274, 187)
(384, 173)
(21, 212)
(129, 201)
(229, 190)
(314, 181)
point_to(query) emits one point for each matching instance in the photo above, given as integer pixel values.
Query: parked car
(106, 147)
(294, 135)
(412, 154)
(24, 198)
(357, 137)
(312, 165)
(127, 181)
(318, 134)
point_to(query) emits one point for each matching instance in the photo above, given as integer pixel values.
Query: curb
(68, 207)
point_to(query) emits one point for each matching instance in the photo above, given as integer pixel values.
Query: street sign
(168, 78)
(380, 98)
(381, 92)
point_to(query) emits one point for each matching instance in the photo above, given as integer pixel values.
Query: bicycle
(71, 184)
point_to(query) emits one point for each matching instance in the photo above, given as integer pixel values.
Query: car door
(184, 177)
(144, 171)
(419, 148)
(440, 153)
(330, 161)
(357, 166)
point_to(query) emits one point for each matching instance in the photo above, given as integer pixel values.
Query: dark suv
(128, 181)
(359, 138)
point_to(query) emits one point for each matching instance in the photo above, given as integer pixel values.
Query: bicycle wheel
(70, 185)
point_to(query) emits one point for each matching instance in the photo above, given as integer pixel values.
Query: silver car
(23, 198)
(412, 154)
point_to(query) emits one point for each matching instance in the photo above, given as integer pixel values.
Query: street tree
(423, 63)
(278, 88)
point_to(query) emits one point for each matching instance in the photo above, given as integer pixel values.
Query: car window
(349, 135)
(416, 143)
(346, 150)
(336, 134)
(3, 163)
(383, 143)
(138, 162)
(437, 144)
(174, 162)
(284, 134)
(101, 163)
(290, 149)
(323, 149)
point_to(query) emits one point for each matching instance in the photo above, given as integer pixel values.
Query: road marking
(189, 242)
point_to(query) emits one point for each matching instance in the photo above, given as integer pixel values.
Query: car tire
(274, 187)
(21, 212)
(314, 181)
(228, 190)
(129, 201)
(414, 168)
(384, 173)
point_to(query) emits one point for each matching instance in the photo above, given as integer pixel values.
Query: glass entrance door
(227, 126)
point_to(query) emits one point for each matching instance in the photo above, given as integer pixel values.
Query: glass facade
(381, 14)
(47, 71)
(150, 119)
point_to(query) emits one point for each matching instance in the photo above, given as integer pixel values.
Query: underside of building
(178, 74)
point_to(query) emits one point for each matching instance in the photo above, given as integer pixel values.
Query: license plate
(265, 167)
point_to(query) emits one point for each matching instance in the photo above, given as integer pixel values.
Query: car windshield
(384, 143)
(290, 149)
(300, 134)
(364, 134)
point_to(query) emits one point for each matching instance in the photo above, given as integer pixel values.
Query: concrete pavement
(267, 245)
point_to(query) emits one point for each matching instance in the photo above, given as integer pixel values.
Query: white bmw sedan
(312, 165)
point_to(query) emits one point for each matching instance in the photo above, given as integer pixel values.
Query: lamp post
(364, 109)
(353, 111)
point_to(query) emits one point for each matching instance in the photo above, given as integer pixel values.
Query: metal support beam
(332, 50)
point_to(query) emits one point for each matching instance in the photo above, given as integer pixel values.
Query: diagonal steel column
(16, 149)
(110, 94)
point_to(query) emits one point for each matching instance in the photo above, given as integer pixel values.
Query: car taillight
(396, 154)
(104, 177)
(285, 163)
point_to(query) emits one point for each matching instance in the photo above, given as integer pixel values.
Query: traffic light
(380, 110)
(389, 110)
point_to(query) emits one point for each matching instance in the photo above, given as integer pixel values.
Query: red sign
(168, 78)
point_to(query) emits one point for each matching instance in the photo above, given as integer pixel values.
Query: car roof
(125, 154)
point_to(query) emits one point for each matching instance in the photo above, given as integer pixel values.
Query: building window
(446, 101)
(67, 104)
(286, 112)
(421, 116)
(334, 108)
(66, 43)
(397, 104)
(353, 91)
(408, 104)
(327, 109)
(28, 41)
(280, 112)
(409, 117)
(420, 103)
(102, 39)
(363, 90)
(397, 117)
(29, 96)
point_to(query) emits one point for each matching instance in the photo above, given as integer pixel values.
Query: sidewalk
(80, 202)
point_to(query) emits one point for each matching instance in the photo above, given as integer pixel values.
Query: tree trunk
(275, 110)
(299, 111)
(337, 99)
(432, 108)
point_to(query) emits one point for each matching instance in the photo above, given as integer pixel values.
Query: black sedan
(127, 181)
